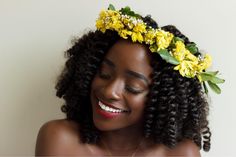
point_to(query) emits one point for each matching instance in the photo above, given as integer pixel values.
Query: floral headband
(171, 49)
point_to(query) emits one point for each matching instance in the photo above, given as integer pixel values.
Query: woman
(131, 89)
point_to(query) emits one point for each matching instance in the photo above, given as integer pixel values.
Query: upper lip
(111, 105)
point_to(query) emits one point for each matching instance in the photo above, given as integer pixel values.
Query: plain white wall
(34, 34)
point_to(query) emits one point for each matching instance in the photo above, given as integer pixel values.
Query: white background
(35, 33)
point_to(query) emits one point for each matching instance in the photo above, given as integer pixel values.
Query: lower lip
(107, 114)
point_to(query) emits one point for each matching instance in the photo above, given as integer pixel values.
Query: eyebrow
(137, 75)
(129, 72)
(108, 62)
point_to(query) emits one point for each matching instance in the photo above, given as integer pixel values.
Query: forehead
(132, 56)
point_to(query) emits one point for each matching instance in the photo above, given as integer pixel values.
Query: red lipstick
(107, 114)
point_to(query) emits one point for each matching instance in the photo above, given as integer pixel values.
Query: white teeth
(108, 109)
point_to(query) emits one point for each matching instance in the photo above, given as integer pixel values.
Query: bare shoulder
(57, 137)
(186, 148)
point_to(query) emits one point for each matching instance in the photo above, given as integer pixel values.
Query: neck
(123, 139)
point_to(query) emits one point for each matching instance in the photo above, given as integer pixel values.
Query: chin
(103, 126)
(107, 125)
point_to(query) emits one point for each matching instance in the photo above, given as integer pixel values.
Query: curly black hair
(176, 107)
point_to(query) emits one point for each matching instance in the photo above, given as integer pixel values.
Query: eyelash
(132, 90)
(128, 88)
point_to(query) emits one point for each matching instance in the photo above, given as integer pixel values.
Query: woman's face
(119, 89)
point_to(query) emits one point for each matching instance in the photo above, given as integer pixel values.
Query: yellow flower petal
(163, 39)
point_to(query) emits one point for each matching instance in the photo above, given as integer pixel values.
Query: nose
(112, 91)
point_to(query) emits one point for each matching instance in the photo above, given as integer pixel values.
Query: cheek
(137, 103)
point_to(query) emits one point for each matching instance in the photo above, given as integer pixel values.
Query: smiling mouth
(109, 108)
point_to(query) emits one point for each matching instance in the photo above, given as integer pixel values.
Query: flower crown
(171, 49)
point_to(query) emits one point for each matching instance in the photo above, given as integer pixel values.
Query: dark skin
(122, 82)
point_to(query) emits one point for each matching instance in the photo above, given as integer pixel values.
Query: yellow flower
(181, 53)
(163, 39)
(109, 19)
(103, 14)
(189, 64)
(111, 14)
(187, 68)
(124, 33)
(191, 57)
(117, 25)
(205, 63)
(127, 22)
(140, 27)
(100, 25)
(150, 36)
(137, 36)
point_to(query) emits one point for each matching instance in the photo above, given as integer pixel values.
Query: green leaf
(192, 48)
(210, 77)
(111, 7)
(128, 11)
(214, 87)
(214, 73)
(167, 57)
(205, 87)
(178, 39)
(125, 10)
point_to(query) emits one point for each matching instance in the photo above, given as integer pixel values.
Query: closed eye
(133, 90)
(127, 88)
